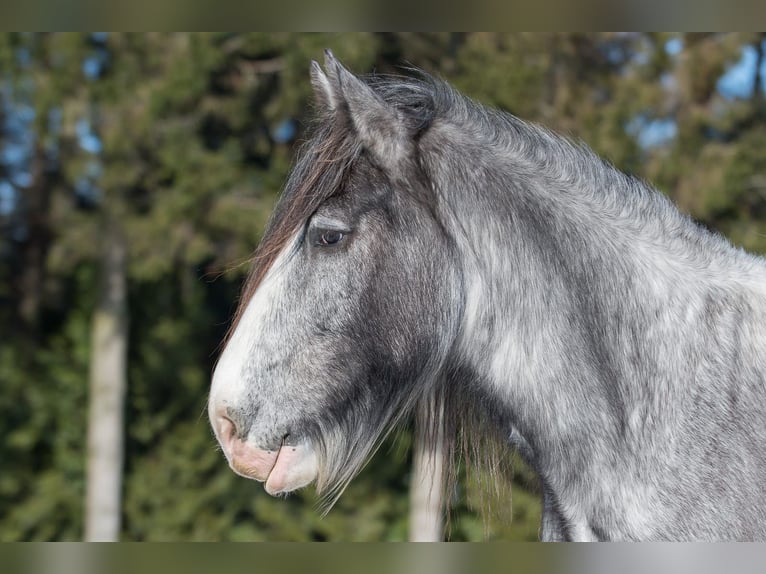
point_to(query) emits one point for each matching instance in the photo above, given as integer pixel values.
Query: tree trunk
(427, 486)
(108, 375)
(34, 249)
(760, 49)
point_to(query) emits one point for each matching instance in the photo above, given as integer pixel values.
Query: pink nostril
(227, 431)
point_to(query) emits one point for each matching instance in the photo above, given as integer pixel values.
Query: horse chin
(296, 466)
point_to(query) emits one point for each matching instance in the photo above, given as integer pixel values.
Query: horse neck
(574, 278)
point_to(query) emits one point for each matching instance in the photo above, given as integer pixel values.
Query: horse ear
(381, 128)
(323, 89)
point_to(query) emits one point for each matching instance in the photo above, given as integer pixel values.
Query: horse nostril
(227, 428)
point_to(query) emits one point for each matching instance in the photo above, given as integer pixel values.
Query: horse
(429, 253)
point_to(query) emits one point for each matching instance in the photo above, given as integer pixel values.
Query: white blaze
(230, 385)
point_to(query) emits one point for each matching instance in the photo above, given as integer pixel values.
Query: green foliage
(190, 169)
(43, 428)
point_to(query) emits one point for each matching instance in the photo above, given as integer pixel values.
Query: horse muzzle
(284, 469)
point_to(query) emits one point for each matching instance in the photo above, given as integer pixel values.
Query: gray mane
(426, 100)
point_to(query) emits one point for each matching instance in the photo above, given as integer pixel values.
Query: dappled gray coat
(429, 251)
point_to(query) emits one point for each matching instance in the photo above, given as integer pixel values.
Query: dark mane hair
(318, 175)
(324, 161)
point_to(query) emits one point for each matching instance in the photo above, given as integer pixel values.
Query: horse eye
(330, 237)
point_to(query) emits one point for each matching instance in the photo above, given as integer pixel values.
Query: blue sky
(737, 82)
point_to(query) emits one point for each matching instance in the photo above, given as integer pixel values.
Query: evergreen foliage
(184, 141)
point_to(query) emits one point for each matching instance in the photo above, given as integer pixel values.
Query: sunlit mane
(318, 175)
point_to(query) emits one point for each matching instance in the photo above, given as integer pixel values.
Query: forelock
(325, 160)
(322, 165)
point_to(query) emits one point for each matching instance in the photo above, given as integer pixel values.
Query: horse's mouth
(295, 467)
(283, 470)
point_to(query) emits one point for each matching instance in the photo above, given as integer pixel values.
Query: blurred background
(137, 172)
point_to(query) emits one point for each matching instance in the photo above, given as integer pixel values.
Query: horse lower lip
(295, 467)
